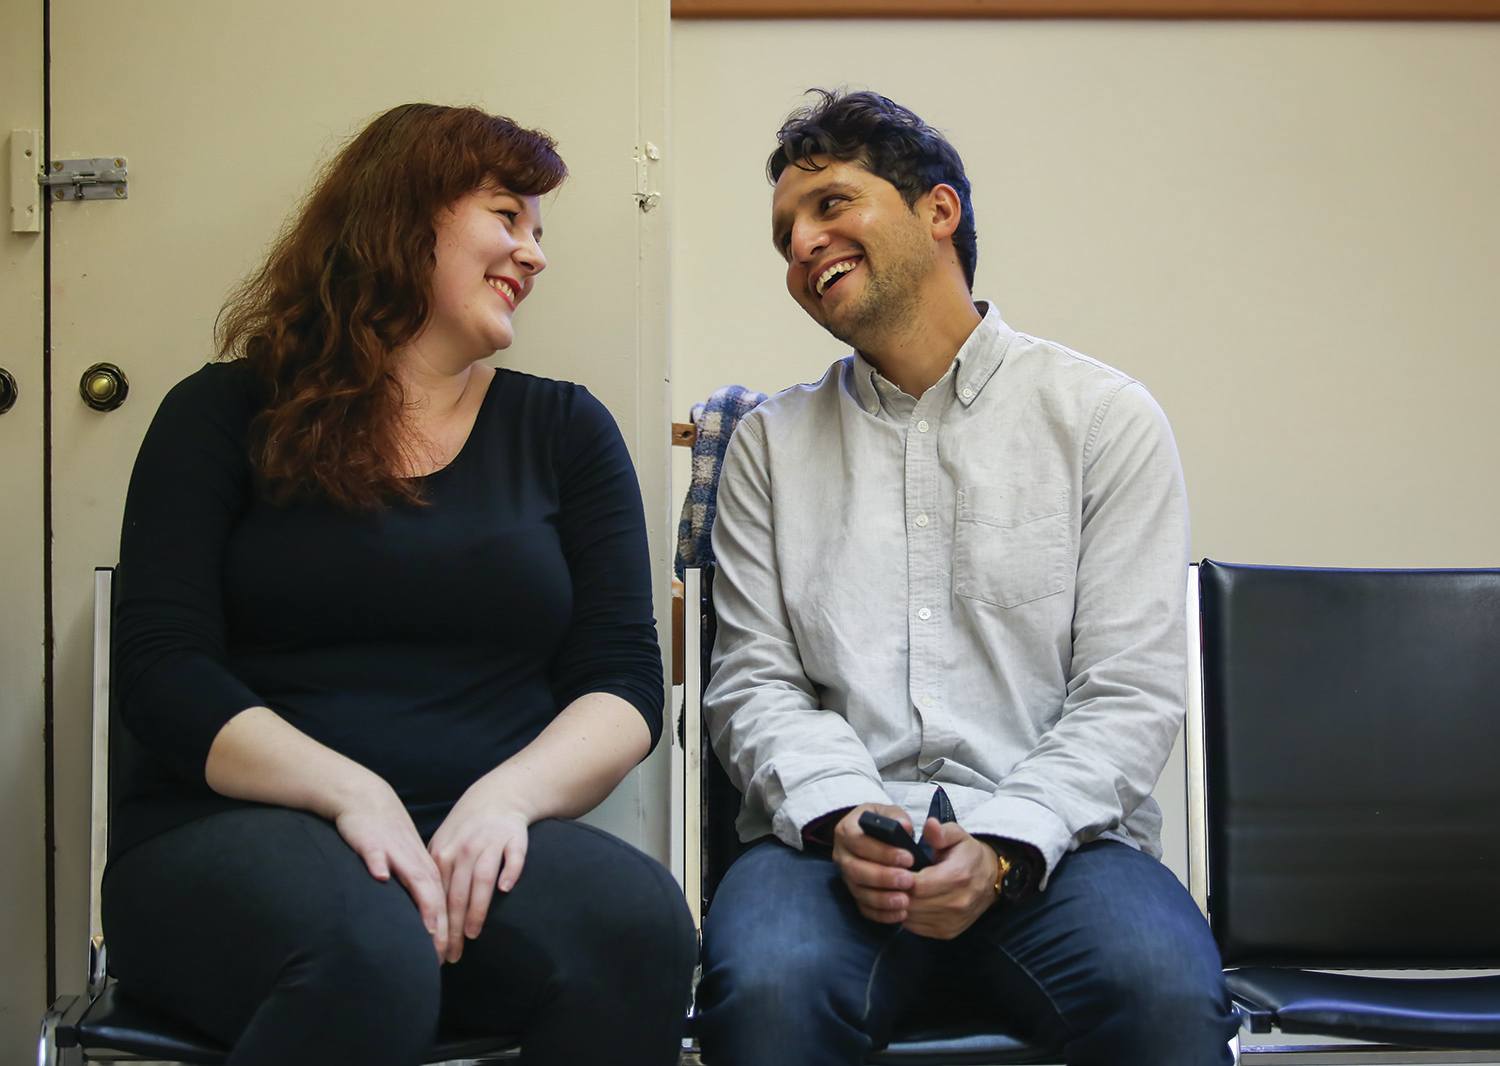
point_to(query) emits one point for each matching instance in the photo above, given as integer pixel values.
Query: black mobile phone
(889, 831)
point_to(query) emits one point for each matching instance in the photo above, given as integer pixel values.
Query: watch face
(1017, 878)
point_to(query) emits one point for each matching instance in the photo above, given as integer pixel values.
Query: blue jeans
(1112, 963)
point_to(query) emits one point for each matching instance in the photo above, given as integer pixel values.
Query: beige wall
(1289, 232)
(23, 988)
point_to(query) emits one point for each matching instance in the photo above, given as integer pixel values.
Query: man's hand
(950, 895)
(479, 848)
(878, 875)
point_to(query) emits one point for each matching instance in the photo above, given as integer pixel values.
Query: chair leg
(48, 1053)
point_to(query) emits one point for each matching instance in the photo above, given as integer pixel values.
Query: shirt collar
(981, 355)
(976, 362)
(864, 383)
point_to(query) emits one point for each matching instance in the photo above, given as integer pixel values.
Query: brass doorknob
(103, 386)
(8, 391)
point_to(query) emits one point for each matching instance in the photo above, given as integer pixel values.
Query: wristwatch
(1012, 876)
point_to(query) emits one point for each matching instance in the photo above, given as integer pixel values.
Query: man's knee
(1167, 1001)
(1144, 973)
(769, 978)
(773, 993)
(1161, 995)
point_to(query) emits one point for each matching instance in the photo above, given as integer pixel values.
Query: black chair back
(720, 799)
(1352, 734)
(129, 765)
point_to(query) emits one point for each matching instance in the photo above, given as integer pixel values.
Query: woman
(384, 628)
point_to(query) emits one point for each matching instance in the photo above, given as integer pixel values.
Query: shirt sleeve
(190, 484)
(1128, 679)
(611, 643)
(789, 756)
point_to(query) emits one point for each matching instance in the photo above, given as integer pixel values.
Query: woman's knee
(608, 913)
(638, 919)
(373, 964)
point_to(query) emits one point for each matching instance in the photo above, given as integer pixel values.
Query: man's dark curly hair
(887, 140)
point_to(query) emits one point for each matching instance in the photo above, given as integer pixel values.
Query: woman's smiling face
(488, 255)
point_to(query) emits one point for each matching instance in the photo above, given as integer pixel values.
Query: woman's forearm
(260, 756)
(576, 761)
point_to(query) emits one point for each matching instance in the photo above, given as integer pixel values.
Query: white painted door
(223, 110)
(22, 458)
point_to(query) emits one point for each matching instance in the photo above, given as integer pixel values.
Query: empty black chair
(1350, 738)
(103, 1023)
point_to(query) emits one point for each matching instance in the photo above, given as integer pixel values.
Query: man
(957, 560)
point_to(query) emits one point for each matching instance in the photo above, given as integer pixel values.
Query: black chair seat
(1448, 1012)
(934, 1041)
(114, 1022)
(953, 1045)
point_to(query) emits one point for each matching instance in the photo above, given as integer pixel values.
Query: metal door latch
(646, 197)
(104, 178)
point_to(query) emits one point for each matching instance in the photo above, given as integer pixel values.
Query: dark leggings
(262, 928)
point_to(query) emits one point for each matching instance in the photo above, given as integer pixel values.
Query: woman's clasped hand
(381, 832)
(479, 848)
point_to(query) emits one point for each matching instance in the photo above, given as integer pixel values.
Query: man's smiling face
(856, 254)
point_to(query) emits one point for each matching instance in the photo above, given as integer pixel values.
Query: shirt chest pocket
(1011, 547)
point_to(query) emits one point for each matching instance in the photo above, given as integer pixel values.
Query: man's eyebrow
(779, 221)
(778, 228)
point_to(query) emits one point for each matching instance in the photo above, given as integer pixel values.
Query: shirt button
(966, 392)
(924, 614)
(922, 426)
(922, 521)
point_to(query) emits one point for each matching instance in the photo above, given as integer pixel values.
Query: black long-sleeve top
(428, 643)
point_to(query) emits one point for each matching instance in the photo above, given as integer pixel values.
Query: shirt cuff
(1027, 821)
(817, 798)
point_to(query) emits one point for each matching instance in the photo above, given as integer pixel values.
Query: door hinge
(646, 197)
(104, 178)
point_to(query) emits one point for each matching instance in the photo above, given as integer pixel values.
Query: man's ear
(944, 210)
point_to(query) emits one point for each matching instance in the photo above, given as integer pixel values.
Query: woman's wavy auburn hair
(348, 282)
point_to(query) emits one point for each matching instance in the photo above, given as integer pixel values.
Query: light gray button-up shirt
(982, 588)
